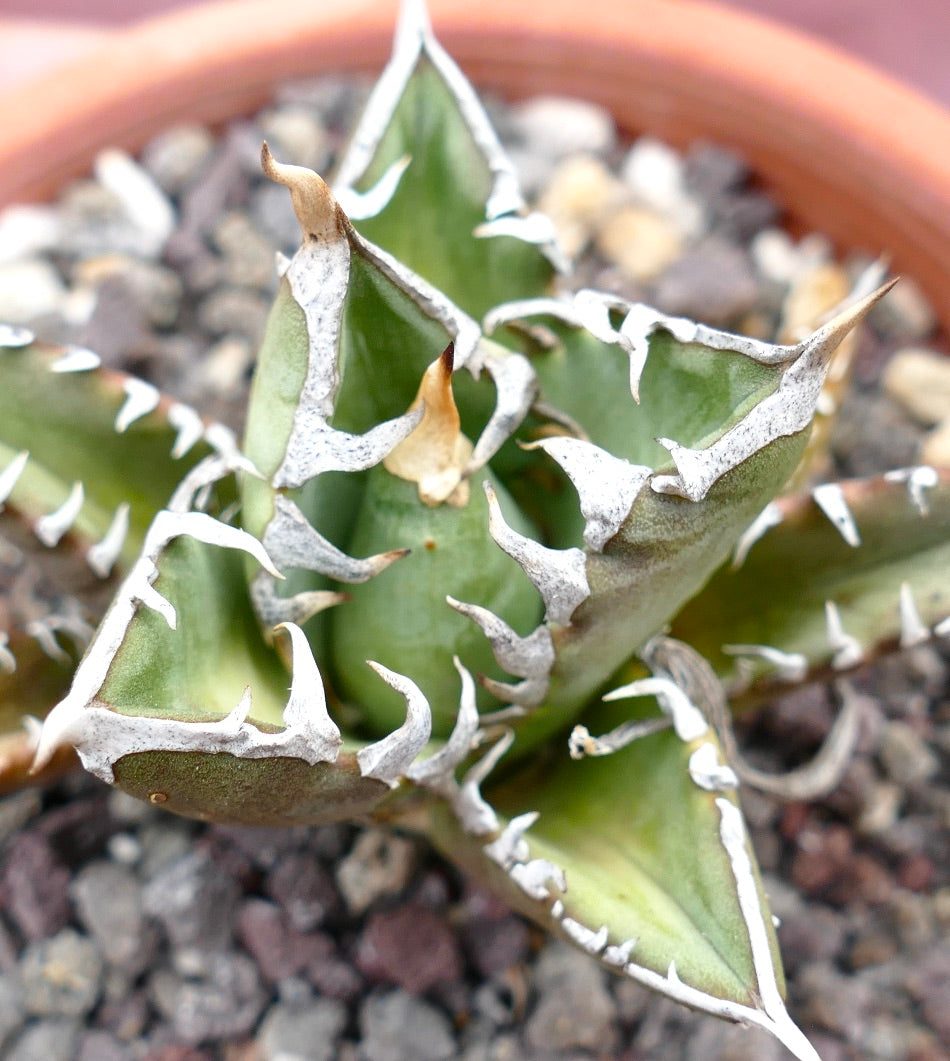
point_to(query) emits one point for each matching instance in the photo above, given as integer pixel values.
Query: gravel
(127, 934)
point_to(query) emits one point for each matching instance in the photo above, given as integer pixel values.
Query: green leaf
(777, 596)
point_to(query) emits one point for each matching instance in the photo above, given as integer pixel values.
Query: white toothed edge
(389, 759)
(13, 337)
(76, 359)
(918, 479)
(534, 878)
(942, 629)
(438, 770)
(293, 542)
(606, 485)
(477, 816)
(516, 387)
(10, 474)
(791, 666)
(847, 649)
(358, 206)
(7, 659)
(770, 516)
(45, 637)
(306, 708)
(581, 744)
(188, 424)
(709, 772)
(526, 695)
(829, 497)
(272, 609)
(141, 398)
(102, 556)
(99, 734)
(559, 575)
(511, 846)
(535, 228)
(687, 719)
(913, 630)
(619, 955)
(51, 527)
(557, 909)
(593, 942)
(525, 657)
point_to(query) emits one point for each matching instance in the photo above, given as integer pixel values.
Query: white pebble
(919, 381)
(29, 289)
(558, 126)
(144, 203)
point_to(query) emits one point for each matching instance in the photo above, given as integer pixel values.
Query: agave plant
(546, 521)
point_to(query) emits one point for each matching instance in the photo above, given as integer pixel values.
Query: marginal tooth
(440, 768)
(141, 398)
(770, 516)
(45, 637)
(559, 575)
(791, 666)
(525, 657)
(223, 441)
(235, 719)
(10, 474)
(510, 846)
(672, 975)
(281, 263)
(581, 743)
(913, 630)
(708, 772)
(389, 759)
(76, 359)
(204, 528)
(829, 497)
(687, 719)
(149, 596)
(847, 649)
(557, 909)
(477, 816)
(593, 942)
(188, 424)
(942, 629)
(526, 694)
(33, 727)
(102, 556)
(7, 659)
(329, 450)
(272, 610)
(534, 877)
(13, 336)
(293, 542)
(306, 708)
(619, 956)
(509, 312)
(918, 480)
(516, 387)
(358, 206)
(606, 485)
(51, 527)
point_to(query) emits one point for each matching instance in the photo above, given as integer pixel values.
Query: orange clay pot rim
(844, 146)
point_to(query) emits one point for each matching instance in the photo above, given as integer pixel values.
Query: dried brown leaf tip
(436, 453)
(319, 214)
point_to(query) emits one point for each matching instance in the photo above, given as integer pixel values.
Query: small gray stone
(102, 1046)
(379, 864)
(401, 1027)
(195, 903)
(46, 1040)
(34, 884)
(713, 282)
(574, 1007)
(304, 889)
(232, 310)
(61, 976)
(108, 900)
(223, 1004)
(176, 157)
(248, 256)
(306, 1032)
(279, 949)
(410, 946)
(16, 809)
(11, 1005)
(906, 756)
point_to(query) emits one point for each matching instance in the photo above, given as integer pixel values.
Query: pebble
(158, 290)
(655, 176)
(906, 316)
(28, 230)
(556, 126)
(410, 946)
(303, 1032)
(109, 904)
(176, 157)
(574, 1007)
(234, 311)
(29, 289)
(398, 1026)
(713, 282)
(61, 976)
(297, 137)
(379, 864)
(248, 255)
(579, 197)
(919, 381)
(11, 1005)
(280, 950)
(145, 206)
(35, 887)
(935, 447)
(46, 1040)
(639, 242)
(305, 891)
(906, 756)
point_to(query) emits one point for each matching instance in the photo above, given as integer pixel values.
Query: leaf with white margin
(423, 109)
(777, 596)
(650, 855)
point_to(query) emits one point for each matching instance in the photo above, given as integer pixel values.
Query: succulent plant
(546, 520)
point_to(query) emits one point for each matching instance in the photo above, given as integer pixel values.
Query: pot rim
(845, 148)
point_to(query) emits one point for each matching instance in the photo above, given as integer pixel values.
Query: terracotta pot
(845, 149)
